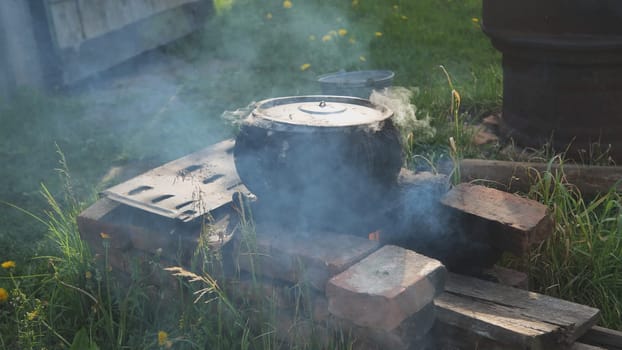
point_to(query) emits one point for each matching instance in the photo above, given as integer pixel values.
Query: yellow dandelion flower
(268, 16)
(305, 66)
(312, 37)
(104, 235)
(475, 20)
(378, 34)
(362, 58)
(342, 32)
(287, 4)
(88, 275)
(162, 338)
(4, 295)
(8, 264)
(395, 7)
(355, 3)
(326, 38)
(404, 17)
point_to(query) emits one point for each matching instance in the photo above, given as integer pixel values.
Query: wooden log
(520, 176)
(514, 223)
(604, 337)
(515, 317)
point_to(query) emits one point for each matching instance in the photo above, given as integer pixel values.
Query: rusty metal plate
(185, 188)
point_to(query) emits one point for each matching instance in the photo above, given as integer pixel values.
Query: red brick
(386, 288)
(412, 333)
(516, 223)
(301, 257)
(129, 228)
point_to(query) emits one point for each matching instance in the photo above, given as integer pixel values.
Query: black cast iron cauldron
(319, 160)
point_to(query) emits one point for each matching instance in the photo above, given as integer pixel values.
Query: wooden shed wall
(62, 41)
(19, 65)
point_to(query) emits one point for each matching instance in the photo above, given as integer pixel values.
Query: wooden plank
(65, 24)
(18, 46)
(449, 337)
(100, 17)
(116, 16)
(108, 48)
(520, 176)
(92, 35)
(607, 338)
(453, 338)
(512, 316)
(581, 346)
(492, 321)
(517, 222)
(92, 17)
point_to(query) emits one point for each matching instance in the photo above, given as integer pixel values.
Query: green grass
(61, 294)
(582, 261)
(72, 299)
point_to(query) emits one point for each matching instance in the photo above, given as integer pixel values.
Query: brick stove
(385, 295)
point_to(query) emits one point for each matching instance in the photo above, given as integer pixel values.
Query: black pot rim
(258, 118)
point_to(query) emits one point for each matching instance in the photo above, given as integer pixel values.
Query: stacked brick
(381, 296)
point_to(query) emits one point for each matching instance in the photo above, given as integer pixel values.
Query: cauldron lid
(371, 78)
(321, 111)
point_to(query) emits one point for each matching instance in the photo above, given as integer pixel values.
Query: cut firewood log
(513, 223)
(520, 176)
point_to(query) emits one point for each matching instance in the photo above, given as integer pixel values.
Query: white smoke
(237, 116)
(398, 99)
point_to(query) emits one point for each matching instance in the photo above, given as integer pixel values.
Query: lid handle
(321, 108)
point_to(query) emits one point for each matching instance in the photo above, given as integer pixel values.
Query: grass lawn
(169, 103)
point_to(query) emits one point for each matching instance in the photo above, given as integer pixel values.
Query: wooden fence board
(65, 24)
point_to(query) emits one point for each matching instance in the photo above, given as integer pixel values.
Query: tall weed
(582, 260)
